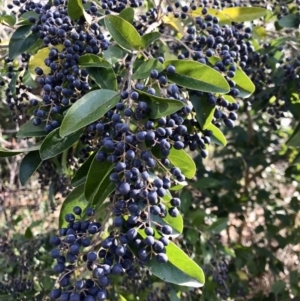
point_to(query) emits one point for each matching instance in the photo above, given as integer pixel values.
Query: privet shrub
(126, 98)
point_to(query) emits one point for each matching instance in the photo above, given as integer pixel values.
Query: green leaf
(181, 159)
(204, 111)
(74, 198)
(229, 251)
(206, 183)
(243, 14)
(127, 14)
(38, 60)
(88, 109)
(13, 82)
(53, 144)
(145, 68)
(229, 98)
(92, 60)
(30, 130)
(23, 19)
(196, 76)
(104, 77)
(104, 191)
(82, 171)
(278, 287)
(4, 152)
(98, 171)
(243, 83)
(113, 54)
(296, 160)
(28, 80)
(217, 136)
(180, 269)
(175, 222)
(123, 33)
(289, 21)
(9, 19)
(159, 106)
(76, 10)
(295, 138)
(122, 298)
(259, 32)
(149, 38)
(20, 41)
(223, 19)
(173, 296)
(28, 233)
(29, 165)
(219, 225)
(178, 186)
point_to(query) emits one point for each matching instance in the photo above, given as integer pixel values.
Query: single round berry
(162, 258)
(77, 210)
(91, 256)
(171, 69)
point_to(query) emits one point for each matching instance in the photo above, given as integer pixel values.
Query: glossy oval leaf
(180, 269)
(181, 159)
(229, 98)
(74, 198)
(127, 14)
(149, 38)
(76, 10)
(175, 222)
(53, 144)
(289, 21)
(243, 83)
(92, 60)
(5, 152)
(88, 109)
(143, 71)
(122, 298)
(28, 81)
(9, 19)
(204, 111)
(82, 171)
(243, 14)
(223, 19)
(23, 19)
(113, 54)
(123, 33)
(217, 136)
(13, 82)
(29, 165)
(175, 23)
(159, 106)
(98, 171)
(295, 138)
(105, 78)
(38, 60)
(30, 130)
(20, 41)
(105, 190)
(219, 225)
(196, 76)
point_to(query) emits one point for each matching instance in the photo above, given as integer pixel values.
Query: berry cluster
(16, 276)
(75, 245)
(17, 95)
(220, 276)
(48, 173)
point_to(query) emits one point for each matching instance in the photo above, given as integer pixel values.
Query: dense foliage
(164, 126)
